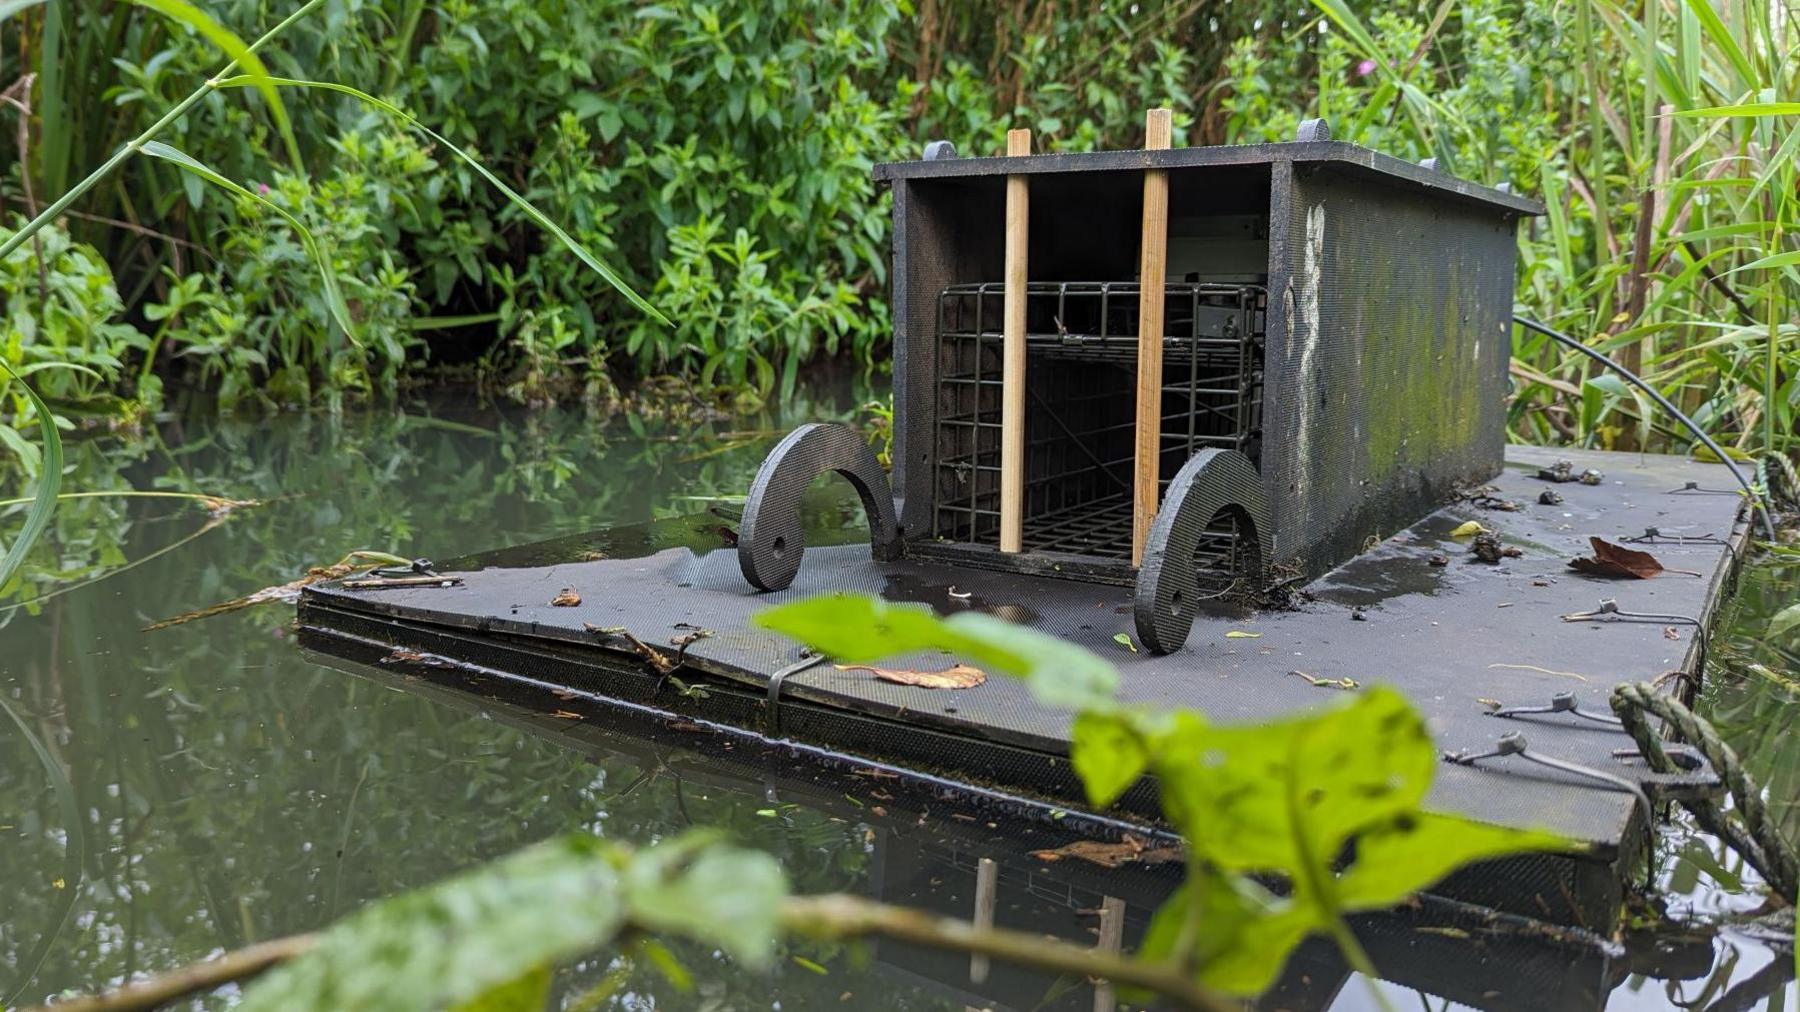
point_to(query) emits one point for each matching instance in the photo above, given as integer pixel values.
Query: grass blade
(240, 53)
(10, 7)
(49, 484)
(334, 298)
(1747, 109)
(1721, 37)
(543, 221)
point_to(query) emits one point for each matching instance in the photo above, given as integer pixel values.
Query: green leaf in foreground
(455, 941)
(860, 629)
(480, 938)
(1108, 755)
(1290, 798)
(728, 896)
(50, 465)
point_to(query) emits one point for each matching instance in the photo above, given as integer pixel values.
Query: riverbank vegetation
(718, 158)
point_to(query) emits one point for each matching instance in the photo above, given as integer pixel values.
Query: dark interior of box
(1082, 311)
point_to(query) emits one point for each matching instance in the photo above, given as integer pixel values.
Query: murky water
(169, 795)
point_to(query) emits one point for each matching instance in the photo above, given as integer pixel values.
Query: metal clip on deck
(772, 721)
(1514, 743)
(1561, 702)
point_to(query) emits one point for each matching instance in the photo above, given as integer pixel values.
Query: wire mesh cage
(1081, 360)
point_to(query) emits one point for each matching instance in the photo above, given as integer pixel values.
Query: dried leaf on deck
(1469, 529)
(1239, 634)
(956, 676)
(1617, 562)
(1130, 850)
(569, 598)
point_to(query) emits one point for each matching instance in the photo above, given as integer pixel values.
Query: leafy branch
(1283, 800)
(487, 938)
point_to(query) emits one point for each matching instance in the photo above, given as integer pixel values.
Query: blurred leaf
(456, 941)
(1415, 850)
(1285, 796)
(859, 628)
(724, 895)
(49, 481)
(10, 7)
(1747, 109)
(1238, 934)
(1784, 621)
(529, 992)
(1107, 754)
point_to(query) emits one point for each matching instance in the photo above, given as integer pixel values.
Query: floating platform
(1456, 638)
(928, 855)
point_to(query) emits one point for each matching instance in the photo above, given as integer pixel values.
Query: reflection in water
(165, 796)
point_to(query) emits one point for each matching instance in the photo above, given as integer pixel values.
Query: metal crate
(1081, 354)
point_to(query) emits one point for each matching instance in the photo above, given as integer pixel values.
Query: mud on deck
(1450, 637)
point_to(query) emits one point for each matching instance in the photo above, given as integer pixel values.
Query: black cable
(1758, 504)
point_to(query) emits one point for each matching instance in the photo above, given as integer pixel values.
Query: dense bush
(718, 156)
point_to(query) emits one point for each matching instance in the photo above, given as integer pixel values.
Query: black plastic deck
(1449, 637)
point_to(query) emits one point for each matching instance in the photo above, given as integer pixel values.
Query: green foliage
(62, 309)
(1287, 799)
(486, 939)
(719, 158)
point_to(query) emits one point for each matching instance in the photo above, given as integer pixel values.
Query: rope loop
(1747, 827)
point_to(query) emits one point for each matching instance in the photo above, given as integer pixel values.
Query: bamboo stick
(1153, 264)
(1012, 393)
(987, 885)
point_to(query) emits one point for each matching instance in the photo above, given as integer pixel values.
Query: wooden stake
(1153, 264)
(1012, 371)
(987, 884)
(1112, 939)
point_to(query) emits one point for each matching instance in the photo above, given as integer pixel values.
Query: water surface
(169, 795)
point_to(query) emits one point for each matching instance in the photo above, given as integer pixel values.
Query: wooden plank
(1153, 264)
(1012, 370)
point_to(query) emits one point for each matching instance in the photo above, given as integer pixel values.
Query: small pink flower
(262, 189)
(1365, 68)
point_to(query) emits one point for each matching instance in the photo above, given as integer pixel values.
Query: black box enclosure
(1382, 324)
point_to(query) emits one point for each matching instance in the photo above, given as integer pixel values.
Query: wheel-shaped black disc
(771, 539)
(1214, 486)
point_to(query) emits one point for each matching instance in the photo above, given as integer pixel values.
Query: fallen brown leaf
(569, 598)
(956, 676)
(1130, 850)
(1618, 562)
